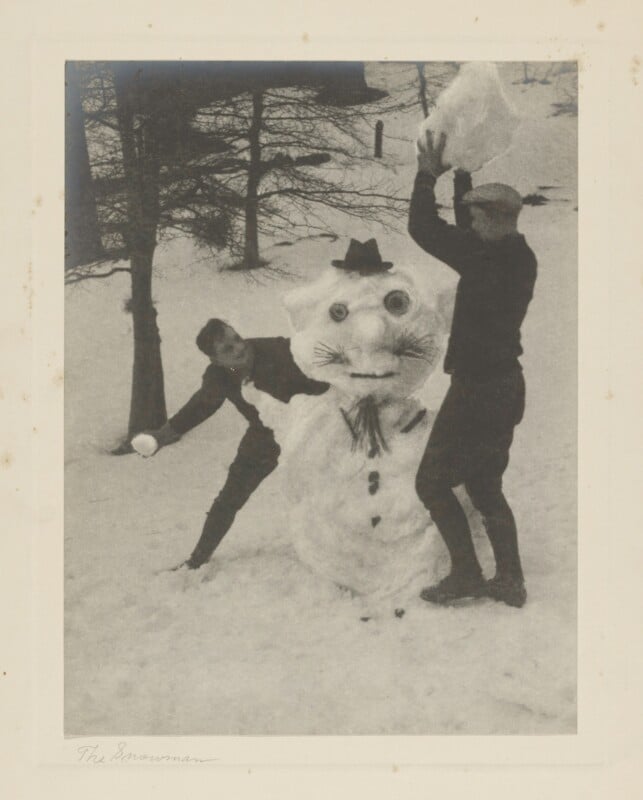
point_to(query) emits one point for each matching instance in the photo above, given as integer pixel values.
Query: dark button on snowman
(350, 456)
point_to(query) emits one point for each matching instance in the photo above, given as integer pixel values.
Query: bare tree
(82, 234)
(141, 170)
(431, 78)
(147, 178)
(294, 160)
(422, 90)
(135, 123)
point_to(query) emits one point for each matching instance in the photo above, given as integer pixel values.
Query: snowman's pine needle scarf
(365, 427)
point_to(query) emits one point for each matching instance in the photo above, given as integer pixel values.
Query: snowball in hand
(476, 116)
(145, 444)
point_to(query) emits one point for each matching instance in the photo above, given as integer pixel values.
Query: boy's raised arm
(452, 244)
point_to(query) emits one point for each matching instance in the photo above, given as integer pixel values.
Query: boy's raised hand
(429, 155)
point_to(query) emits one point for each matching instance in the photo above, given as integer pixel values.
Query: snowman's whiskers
(410, 345)
(324, 355)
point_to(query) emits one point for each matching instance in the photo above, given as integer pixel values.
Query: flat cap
(496, 194)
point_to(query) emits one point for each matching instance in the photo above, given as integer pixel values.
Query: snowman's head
(376, 335)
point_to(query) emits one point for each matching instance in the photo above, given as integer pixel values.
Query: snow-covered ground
(254, 643)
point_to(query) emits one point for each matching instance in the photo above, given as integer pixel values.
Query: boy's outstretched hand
(430, 155)
(145, 444)
(148, 443)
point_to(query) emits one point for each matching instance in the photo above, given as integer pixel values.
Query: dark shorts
(473, 430)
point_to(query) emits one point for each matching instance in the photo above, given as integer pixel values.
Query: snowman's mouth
(372, 375)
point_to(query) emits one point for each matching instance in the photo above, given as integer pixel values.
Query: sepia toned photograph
(321, 398)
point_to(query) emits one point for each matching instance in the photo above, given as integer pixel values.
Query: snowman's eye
(397, 302)
(338, 312)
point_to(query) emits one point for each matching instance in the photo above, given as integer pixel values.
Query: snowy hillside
(254, 643)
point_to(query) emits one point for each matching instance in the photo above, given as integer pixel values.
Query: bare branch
(87, 275)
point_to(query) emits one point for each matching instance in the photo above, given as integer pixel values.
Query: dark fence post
(379, 131)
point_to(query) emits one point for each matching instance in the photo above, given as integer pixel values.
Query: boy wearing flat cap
(472, 434)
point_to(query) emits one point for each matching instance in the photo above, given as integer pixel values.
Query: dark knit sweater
(273, 371)
(496, 283)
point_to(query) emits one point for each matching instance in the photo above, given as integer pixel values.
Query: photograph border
(608, 90)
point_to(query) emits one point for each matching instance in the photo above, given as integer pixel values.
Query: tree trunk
(82, 234)
(147, 406)
(141, 171)
(251, 247)
(422, 91)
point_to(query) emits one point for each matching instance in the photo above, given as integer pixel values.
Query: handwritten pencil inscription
(96, 754)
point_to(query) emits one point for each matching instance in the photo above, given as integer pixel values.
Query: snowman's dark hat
(363, 257)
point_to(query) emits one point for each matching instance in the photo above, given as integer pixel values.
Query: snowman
(350, 456)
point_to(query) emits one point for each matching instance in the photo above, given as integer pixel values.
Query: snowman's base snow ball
(350, 456)
(355, 520)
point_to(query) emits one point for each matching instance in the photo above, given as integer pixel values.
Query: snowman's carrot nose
(369, 329)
